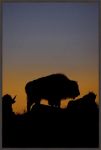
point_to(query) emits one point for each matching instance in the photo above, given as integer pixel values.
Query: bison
(53, 87)
(7, 102)
(86, 103)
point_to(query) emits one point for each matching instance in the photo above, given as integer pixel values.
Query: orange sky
(14, 84)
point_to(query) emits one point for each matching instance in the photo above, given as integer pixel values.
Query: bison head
(74, 89)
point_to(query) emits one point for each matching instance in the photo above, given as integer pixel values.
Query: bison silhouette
(53, 87)
(86, 103)
(7, 102)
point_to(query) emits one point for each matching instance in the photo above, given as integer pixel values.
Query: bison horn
(14, 97)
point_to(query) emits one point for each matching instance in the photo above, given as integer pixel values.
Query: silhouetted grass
(45, 126)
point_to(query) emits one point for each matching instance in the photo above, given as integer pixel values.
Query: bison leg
(54, 102)
(29, 103)
(37, 101)
(51, 102)
(28, 106)
(57, 103)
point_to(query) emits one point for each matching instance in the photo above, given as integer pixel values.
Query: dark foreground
(47, 127)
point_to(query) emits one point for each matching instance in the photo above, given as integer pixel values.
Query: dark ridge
(76, 126)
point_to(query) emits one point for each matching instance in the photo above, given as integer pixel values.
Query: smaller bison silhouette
(7, 102)
(53, 88)
(86, 103)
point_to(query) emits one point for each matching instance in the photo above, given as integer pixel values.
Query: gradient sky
(45, 38)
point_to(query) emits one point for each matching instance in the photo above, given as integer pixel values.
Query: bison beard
(53, 88)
